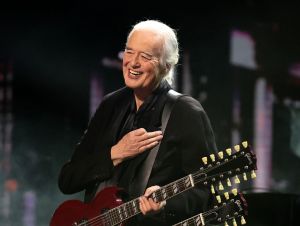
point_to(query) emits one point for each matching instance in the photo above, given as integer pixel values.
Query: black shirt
(148, 117)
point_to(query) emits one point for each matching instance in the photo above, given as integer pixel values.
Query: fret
(164, 193)
(193, 221)
(127, 210)
(111, 217)
(135, 206)
(124, 211)
(175, 188)
(120, 212)
(172, 189)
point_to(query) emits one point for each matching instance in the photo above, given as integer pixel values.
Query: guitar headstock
(232, 211)
(239, 160)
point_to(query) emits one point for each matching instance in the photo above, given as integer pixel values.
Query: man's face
(141, 61)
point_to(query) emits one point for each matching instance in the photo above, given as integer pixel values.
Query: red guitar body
(74, 212)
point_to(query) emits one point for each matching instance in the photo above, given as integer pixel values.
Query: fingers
(152, 141)
(156, 135)
(137, 141)
(148, 205)
(141, 134)
(150, 190)
(146, 140)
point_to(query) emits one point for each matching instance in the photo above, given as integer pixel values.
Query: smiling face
(141, 61)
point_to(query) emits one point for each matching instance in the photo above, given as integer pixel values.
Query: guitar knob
(221, 188)
(234, 191)
(228, 151)
(243, 221)
(218, 199)
(221, 154)
(253, 174)
(236, 179)
(226, 194)
(234, 222)
(212, 157)
(228, 182)
(237, 148)
(244, 176)
(212, 189)
(245, 144)
(204, 160)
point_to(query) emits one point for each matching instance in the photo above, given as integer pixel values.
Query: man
(127, 125)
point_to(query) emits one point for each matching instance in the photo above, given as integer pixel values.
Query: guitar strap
(144, 174)
(146, 169)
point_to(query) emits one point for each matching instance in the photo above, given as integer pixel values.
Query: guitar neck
(129, 209)
(225, 166)
(195, 220)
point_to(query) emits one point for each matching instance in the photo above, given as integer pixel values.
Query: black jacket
(188, 137)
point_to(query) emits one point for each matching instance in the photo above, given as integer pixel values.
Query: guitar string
(181, 183)
(166, 188)
(191, 220)
(114, 217)
(101, 218)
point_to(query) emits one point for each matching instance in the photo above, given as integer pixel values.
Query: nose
(135, 62)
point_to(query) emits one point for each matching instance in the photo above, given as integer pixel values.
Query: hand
(147, 205)
(134, 143)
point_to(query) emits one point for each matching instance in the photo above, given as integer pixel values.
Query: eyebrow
(148, 54)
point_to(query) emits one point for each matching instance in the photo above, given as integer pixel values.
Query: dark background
(54, 47)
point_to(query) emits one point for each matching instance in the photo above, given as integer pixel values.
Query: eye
(129, 51)
(146, 56)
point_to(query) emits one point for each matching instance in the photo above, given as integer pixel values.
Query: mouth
(135, 74)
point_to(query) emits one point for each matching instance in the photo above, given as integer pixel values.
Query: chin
(132, 85)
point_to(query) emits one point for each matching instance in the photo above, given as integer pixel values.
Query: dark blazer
(188, 137)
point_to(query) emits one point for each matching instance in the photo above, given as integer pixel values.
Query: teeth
(135, 73)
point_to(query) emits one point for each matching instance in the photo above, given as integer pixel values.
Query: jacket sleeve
(191, 127)
(91, 160)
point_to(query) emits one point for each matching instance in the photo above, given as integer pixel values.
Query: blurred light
(242, 50)
(294, 70)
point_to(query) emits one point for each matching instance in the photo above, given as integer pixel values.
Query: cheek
(125, 61)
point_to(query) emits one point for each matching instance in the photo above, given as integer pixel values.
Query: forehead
(145, 41)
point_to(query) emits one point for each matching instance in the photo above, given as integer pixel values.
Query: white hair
(170, 54)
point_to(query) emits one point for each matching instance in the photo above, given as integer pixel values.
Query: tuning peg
(212, 189)
(236, 179)
(234, 222)
(218, 199)
(237, 148)
(253, 174)
(221, 187)
(228, 151)
(226, 194)
(221, 154)
(234, 191)
(244, 176)
(226, 224)
(204, 160)
(212, 157)
(228, 182)
(245, 144)
(243, 221)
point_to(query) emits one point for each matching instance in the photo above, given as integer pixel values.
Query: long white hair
(170, 54)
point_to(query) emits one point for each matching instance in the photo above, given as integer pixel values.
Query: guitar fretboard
(129, 209)
(193, 221)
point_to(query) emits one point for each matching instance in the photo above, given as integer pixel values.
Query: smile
(135, 73)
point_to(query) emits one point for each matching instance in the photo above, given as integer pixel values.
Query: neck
(140, 96)
(138, 101)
